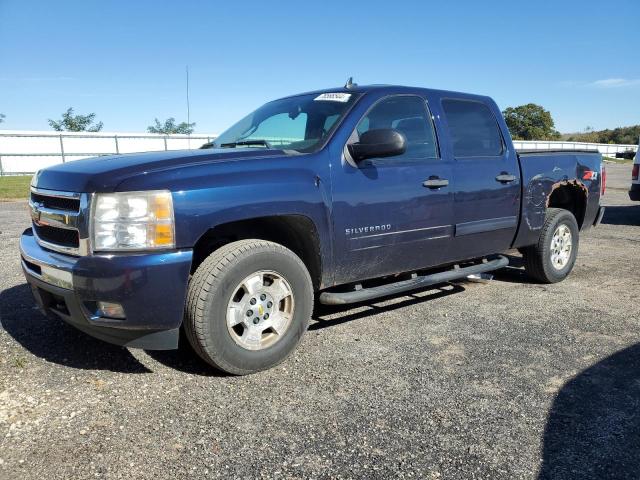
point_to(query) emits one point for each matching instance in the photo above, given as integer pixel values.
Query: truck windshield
(300, 123)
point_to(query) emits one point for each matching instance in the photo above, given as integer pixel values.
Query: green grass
(14, 187)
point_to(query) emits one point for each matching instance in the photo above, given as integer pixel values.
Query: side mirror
(377, 143)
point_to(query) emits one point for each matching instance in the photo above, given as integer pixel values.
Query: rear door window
(473, 128)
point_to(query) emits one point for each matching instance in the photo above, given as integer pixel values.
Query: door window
(408, 115)
(473, 128)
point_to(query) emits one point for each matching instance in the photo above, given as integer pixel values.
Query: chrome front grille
(58, 236)
(71, 204)
(61, 220)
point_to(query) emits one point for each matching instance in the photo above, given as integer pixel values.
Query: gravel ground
(505, 379)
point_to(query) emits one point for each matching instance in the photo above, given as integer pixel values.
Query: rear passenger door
(487, 180)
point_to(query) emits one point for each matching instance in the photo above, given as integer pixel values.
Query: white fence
(603, 148)
(28, 151)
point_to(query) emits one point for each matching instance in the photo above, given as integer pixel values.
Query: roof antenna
(350, 84)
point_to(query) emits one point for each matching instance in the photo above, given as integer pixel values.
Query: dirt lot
(501, 380)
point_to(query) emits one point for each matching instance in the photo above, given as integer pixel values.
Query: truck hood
(104, 174)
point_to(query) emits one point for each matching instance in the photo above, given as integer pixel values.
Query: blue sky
(125, 60)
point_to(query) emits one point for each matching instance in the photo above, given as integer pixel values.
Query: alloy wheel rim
(561, 247)
(260, 310)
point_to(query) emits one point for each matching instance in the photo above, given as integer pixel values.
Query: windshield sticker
(333, 97)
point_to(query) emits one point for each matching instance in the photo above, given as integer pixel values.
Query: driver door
(394, 214)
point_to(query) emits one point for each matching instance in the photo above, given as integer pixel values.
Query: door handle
(435, 182)
(505, 177)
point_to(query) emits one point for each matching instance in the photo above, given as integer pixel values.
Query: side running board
(455, 273)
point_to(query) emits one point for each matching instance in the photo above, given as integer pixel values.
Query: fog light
(110, 310)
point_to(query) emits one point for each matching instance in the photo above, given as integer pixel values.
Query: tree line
(620, 136)
(72, 122)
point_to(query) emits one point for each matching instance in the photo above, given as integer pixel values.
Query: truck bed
(545, 170)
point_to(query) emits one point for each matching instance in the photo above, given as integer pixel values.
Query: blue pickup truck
(339, 196)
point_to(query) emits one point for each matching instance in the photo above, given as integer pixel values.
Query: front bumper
(151, 287)
(634, 192)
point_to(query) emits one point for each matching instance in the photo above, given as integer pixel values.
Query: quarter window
(473, 128)
(408, 115)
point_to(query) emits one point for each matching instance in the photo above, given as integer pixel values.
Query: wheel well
(571, 197)
(296, 232)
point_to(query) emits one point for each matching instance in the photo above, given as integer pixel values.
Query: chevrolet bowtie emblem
(260, 310)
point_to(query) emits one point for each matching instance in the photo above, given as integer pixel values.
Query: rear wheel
(553, 257)
(248, 305)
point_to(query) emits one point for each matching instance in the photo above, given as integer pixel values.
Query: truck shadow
(54, 341)
(593, 427)
(622, 215)
(345, 313)
(185, 360)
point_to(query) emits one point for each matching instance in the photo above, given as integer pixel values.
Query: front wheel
(248, 306)
(553, 257)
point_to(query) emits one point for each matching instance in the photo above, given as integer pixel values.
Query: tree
(169, 126)
(620, 135)
(530, 122)
(2, 117)
(76, 123)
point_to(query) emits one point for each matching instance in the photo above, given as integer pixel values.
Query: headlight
(132, 221)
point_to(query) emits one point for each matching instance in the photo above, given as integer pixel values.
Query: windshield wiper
(246, 143)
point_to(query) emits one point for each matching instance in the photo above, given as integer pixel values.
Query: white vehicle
(634, 191)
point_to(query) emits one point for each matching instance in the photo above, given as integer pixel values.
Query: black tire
(210, 291)
(537, 258)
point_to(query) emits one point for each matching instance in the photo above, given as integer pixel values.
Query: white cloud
(615, 83)
(604, 83)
